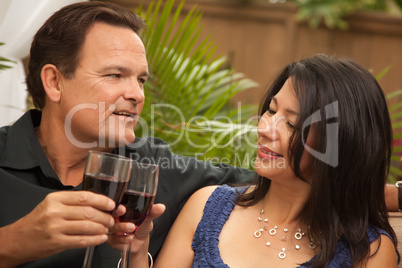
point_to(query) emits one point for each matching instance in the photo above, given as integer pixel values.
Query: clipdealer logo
(330, 156)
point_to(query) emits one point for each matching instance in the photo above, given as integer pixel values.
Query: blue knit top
(216, 212)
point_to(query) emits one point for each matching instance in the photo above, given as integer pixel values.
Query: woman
(323, 155)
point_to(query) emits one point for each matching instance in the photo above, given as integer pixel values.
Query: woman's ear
(51, 78)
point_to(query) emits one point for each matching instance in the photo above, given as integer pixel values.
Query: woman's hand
(121, 232)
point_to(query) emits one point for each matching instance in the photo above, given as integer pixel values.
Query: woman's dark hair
(352, 143)
(60, 39)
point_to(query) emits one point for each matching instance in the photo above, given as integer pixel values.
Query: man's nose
(135, 91)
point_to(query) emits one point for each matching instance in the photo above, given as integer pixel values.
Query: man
(86, 74)
(393, 197)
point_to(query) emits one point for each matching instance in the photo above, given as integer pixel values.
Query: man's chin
(118, 141)
(127, 140)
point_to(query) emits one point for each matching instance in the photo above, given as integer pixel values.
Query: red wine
(106, 185)
(138, 206)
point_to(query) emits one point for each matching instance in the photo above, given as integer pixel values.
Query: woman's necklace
(273, 231)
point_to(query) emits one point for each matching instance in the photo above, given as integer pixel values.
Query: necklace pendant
(258, 233)
(312, 245)
(273, 230)
(282, 254)
(298, 235)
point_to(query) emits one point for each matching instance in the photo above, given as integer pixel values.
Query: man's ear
(51, 78)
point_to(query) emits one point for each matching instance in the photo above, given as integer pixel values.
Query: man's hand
(63, 220)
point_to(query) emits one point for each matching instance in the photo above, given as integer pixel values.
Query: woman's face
(274, 130)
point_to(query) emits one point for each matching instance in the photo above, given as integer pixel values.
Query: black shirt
(26, 177)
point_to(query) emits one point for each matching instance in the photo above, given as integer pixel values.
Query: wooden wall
(261, 38)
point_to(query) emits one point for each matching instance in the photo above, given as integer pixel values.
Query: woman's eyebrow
(290, 111)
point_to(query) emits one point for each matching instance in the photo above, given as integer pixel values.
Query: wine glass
(106, 174)
(138, 199)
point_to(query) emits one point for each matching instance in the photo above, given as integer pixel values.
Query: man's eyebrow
(116, 68)
(147, 74)
(290, 111)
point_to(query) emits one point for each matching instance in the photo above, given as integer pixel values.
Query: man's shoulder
(4, 131)
(148, 143)
(144, 147)
(3, 137)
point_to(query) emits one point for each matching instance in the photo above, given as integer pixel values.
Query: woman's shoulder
(213, 197)
(205, 192)
(382, 249)
(374, 233)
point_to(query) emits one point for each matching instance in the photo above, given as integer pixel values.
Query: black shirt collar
(22, 148)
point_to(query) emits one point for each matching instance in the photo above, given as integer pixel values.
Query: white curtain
(19, 21)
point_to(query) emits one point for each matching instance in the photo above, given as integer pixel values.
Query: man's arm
(391, 197)
(63, 220)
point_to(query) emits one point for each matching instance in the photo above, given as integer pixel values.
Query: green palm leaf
(395, 111)
(4, 66)
(189, 89)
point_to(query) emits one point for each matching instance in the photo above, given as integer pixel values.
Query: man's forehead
(108, 40)
(104, 34)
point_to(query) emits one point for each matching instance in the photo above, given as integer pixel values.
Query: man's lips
(127, 115)
(265, 153)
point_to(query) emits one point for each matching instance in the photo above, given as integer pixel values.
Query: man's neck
(67, 160)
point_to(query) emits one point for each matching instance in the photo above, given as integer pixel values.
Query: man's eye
(142, 80)
(114, 75)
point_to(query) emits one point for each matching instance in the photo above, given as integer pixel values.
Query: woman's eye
(270, 111)
(290, 125)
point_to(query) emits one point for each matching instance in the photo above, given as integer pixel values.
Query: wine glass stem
(88, 257)
(125, 260)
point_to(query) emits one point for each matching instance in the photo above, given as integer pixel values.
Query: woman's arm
(177, 250)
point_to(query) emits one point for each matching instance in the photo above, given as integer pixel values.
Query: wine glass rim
(117, 156)
(145, 164)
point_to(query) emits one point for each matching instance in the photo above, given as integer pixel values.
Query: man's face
(104, 99)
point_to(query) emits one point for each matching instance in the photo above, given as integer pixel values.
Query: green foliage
(3, 66)
(396, 117)
(188, 94)
(332, 12)
(395, 112)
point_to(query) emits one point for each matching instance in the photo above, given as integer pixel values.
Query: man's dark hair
(60, 39)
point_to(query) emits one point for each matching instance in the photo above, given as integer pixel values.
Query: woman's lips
(265, 153)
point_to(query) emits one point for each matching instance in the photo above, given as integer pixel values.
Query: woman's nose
(268, 126)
